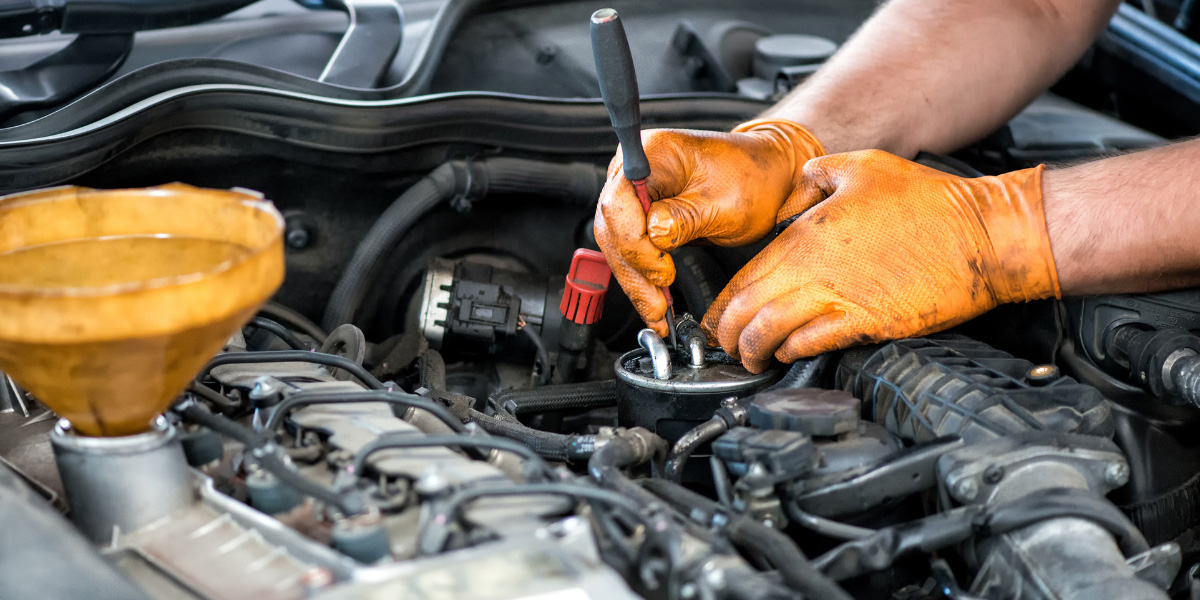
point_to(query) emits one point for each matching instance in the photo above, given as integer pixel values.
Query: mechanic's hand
(727, 188)
(897, 250)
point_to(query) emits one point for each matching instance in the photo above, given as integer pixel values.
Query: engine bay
(448, 397)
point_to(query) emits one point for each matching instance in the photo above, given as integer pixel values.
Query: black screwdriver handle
(618, 87)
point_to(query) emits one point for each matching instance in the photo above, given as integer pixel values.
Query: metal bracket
(369, 45)
(909, 472)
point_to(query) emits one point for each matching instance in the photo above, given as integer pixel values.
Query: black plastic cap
(618, 87)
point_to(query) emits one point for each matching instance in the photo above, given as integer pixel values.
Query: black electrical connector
(783, 454)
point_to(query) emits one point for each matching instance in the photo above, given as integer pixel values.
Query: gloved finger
(673, 222)
(647, 299)
(695, 214)
(711, 322)
(712, 317)
(831, 331)
(745, 295)
(826, 173)
(615, 164)
(775, 321)
(626, 223)
(804, 197)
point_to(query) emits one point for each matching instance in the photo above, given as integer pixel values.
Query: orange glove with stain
(897, 250)
(727, 188)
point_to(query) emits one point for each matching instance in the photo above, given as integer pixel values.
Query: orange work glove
(897, 250)
(727, 188)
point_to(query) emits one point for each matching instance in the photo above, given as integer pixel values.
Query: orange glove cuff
(1021, 266)
(804, 145)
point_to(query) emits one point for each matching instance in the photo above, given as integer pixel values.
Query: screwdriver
(619, 89)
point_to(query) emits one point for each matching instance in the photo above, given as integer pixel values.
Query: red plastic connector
(587, 283)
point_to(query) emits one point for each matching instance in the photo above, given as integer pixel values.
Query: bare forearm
(938, 74)
(1126, 224)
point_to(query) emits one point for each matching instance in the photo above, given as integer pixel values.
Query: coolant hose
(804, 373)
(548, 445)
(683, 449)
(431, 370)
(44, 557)
(550, 398)
(576, 183)
(629, 448)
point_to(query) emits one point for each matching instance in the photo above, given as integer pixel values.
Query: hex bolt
(1116, 474)
(432, 482)
(296, 233)
(1043, 375)
(967, 489)
(297, 238)
(993, 474)
(715, 579)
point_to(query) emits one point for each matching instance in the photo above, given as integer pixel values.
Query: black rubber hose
(550, 398)
(633, 447)
(630, 448)
(574, 182)
(320, 358)
(227, 405)
(280, 332)
(431, 370)
(882, 548)
(292, 318)
(794, 568)
(43, 556)
(1057, 503)
(407, 440)
(548, 445)
(804, 373)
(828, 527)
(447, 512)
(687, 444)
(543, 357)
(395, 398)
(391, 226)
(262, 449)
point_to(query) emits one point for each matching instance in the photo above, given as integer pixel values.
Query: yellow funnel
(111, 300)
